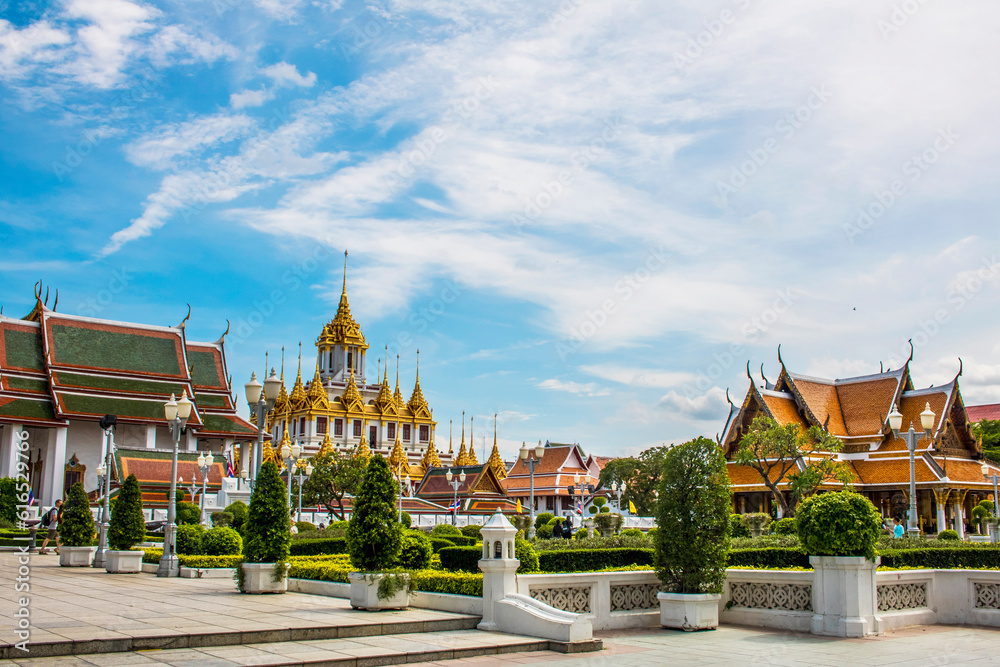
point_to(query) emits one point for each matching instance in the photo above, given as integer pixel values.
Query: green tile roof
(27, 409)
(113, 405)
(225, 424)
(133, 351)
(64, 379)
(204, 370)
(24, 349)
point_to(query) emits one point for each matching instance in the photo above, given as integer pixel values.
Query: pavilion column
(245, 448)
(151, 436)
(54, 472)
(8, 466)
(192, 441)
(941, 501)
(959, 520)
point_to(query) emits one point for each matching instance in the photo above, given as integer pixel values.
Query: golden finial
(398, 395)
(495, 463)
(451, 448)
(397, 459)
(344, 290)
(362, 450)
(326, 446)
(431, 458)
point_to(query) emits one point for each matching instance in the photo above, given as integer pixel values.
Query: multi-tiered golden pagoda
(339, 410)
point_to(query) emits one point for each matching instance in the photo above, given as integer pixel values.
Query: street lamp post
(617, 492)
(204, 465)
(290, 455)
(108, 423)
(301, 478)
(526, 458)
(985, 469)
(177, 414)
(448, 476)
(911, 438)
(263, 396)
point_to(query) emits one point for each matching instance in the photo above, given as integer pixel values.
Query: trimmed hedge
(210, 561)
(462, 540)
(942, 558)
(221, 541)
(431, 581)
(463, 559)
(189, 537)
(473, 531)
(445, 530)
(416, 551)
(582, 560)
(439, 543)
(768, 557)
(314, 547)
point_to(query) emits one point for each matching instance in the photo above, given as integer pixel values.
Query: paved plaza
(206, 622)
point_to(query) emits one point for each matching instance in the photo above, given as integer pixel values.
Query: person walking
(557, 530)
(51, 521)
(568, 528)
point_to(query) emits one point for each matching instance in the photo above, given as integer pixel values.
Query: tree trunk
(785, 509)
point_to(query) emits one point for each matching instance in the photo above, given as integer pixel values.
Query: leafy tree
(128, 524)
(980, 513)
(695, 501)
(773, 450)
(988, 432)
(267, 532)
(374, 536)
(76, 528)
(843, 523)
(239, 510)
(9, 492)
(818, 473)
(334, 477)
(641, 476)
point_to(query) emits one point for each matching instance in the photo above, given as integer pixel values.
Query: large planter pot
(122, 562)
(77, 556)
(689, 611)
(364, 592)
(259, 578)
(844, 596)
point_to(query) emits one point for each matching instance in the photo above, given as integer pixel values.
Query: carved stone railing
(567, 598)
(893, 597)
(987, 595)
(759, 595)
(630, 597)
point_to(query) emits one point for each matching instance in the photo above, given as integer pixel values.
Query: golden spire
(431, 458)
(495, 462)
(471, 458)
(397, 459)
(362, 450)
(326, 446)
(342, 330)
(298, 396)
(417, 400)
(281, 405)
(318, 399)
(398, 395)
(451, 448)
(463, 457)
(385, 402)
(351, 399)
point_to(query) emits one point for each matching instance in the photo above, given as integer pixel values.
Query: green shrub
(128, 524)
(768, 557)
(784, 526)
(632, 532)
(9, 491)
(187, 513)
(221, 519)
(239, 511)
(416, 551)
(693, 510)
(524, 552)
(439, 543)
(542, 519)
(374, 536)
(473, 531)
(189, 539)
(766, 542)
(608, 524)
(597, 505)
(407, 521)
(76, 529)
(652, 532)
(544, 532)
(581, 534)
(464, 559)
(521, 521)
(462, 540)
(312, 547)
(943, 558)
(152, 556)
(266, 530)
(596, 542)
(736, 526)
(305, 527)
(221, 541)
(842, 523)
(339, 525)
(446, 530)
(455, 583)
(948, 535)
(756, 522)
(586, 560)
(211, 561)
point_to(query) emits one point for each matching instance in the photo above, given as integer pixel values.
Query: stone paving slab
(356, 652)
(77, 611)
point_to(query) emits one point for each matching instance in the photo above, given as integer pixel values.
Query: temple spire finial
(451, 447)
(343, 292)
(282, 363)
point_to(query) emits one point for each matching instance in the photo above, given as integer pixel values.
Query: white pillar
(151, 436)
(959, 521)
(8, 466)
(54, 472)
(192, 441)
(245, 448)
(942, 520)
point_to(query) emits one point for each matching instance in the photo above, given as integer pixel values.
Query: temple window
(302, 425)
(406, 432)
(350, 361)
(338, 427)
(425, 432)
(392, 431)
(373, 434)
(357, 428)
(321, 425)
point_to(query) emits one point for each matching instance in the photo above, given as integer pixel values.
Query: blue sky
(588, 216)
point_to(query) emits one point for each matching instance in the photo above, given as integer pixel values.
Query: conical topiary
(374, 536)
(76, 528)
(128, 525)
(267, 531)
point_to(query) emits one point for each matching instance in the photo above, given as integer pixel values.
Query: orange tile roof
(555, 459)
(783, 408)
(823, 400)
(863, 404)
(981, 412)
(911, 406)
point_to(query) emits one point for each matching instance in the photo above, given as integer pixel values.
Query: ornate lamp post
(455, 486)
(263, 397)
(108, 423)
(616, 492)
(985, 469)
(911, 438)
(204, 465)
(525, 453)
(289, 454)
(177, 414)
(301, 478)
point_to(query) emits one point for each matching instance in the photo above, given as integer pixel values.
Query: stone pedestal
(843, 596)
(364, 592)
(77, 556)
(259, 578)
(689, 611)
(122, 562)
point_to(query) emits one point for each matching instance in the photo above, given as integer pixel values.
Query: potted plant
(126, 529)
(374, 541)
(757, 522)
(693, 537)
(76, 530)
(839, 531)
(267, 536)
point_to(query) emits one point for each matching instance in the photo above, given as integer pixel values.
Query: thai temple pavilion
(60, 374)
(341, 409)
(855, 410)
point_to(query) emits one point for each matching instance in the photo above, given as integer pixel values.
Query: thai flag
(230, 471)
(579, 507)
(455, 505)
(31, 497)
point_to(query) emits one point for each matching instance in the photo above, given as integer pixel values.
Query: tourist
(557, 530)
(51, 521)
(897, 530)
(568, 529)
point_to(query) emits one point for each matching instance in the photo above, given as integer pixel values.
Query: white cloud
(639, 377)
(21, 49)
(250, 98)
(107, 41)
(170, 45)
(710, 406)
(179, 139)
(285, 74)
(578, 388)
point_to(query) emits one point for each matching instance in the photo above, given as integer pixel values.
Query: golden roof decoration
(318, 399)
(471, 458)
(351, 398)
(342, 329)
(384, 401)
(496, 463)
(398, 395)
(298, 400)
(463, 457)
(418, 403)
(431, 458)
(397, 459)
(281, 404)
(326, 446)
(363, 450)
